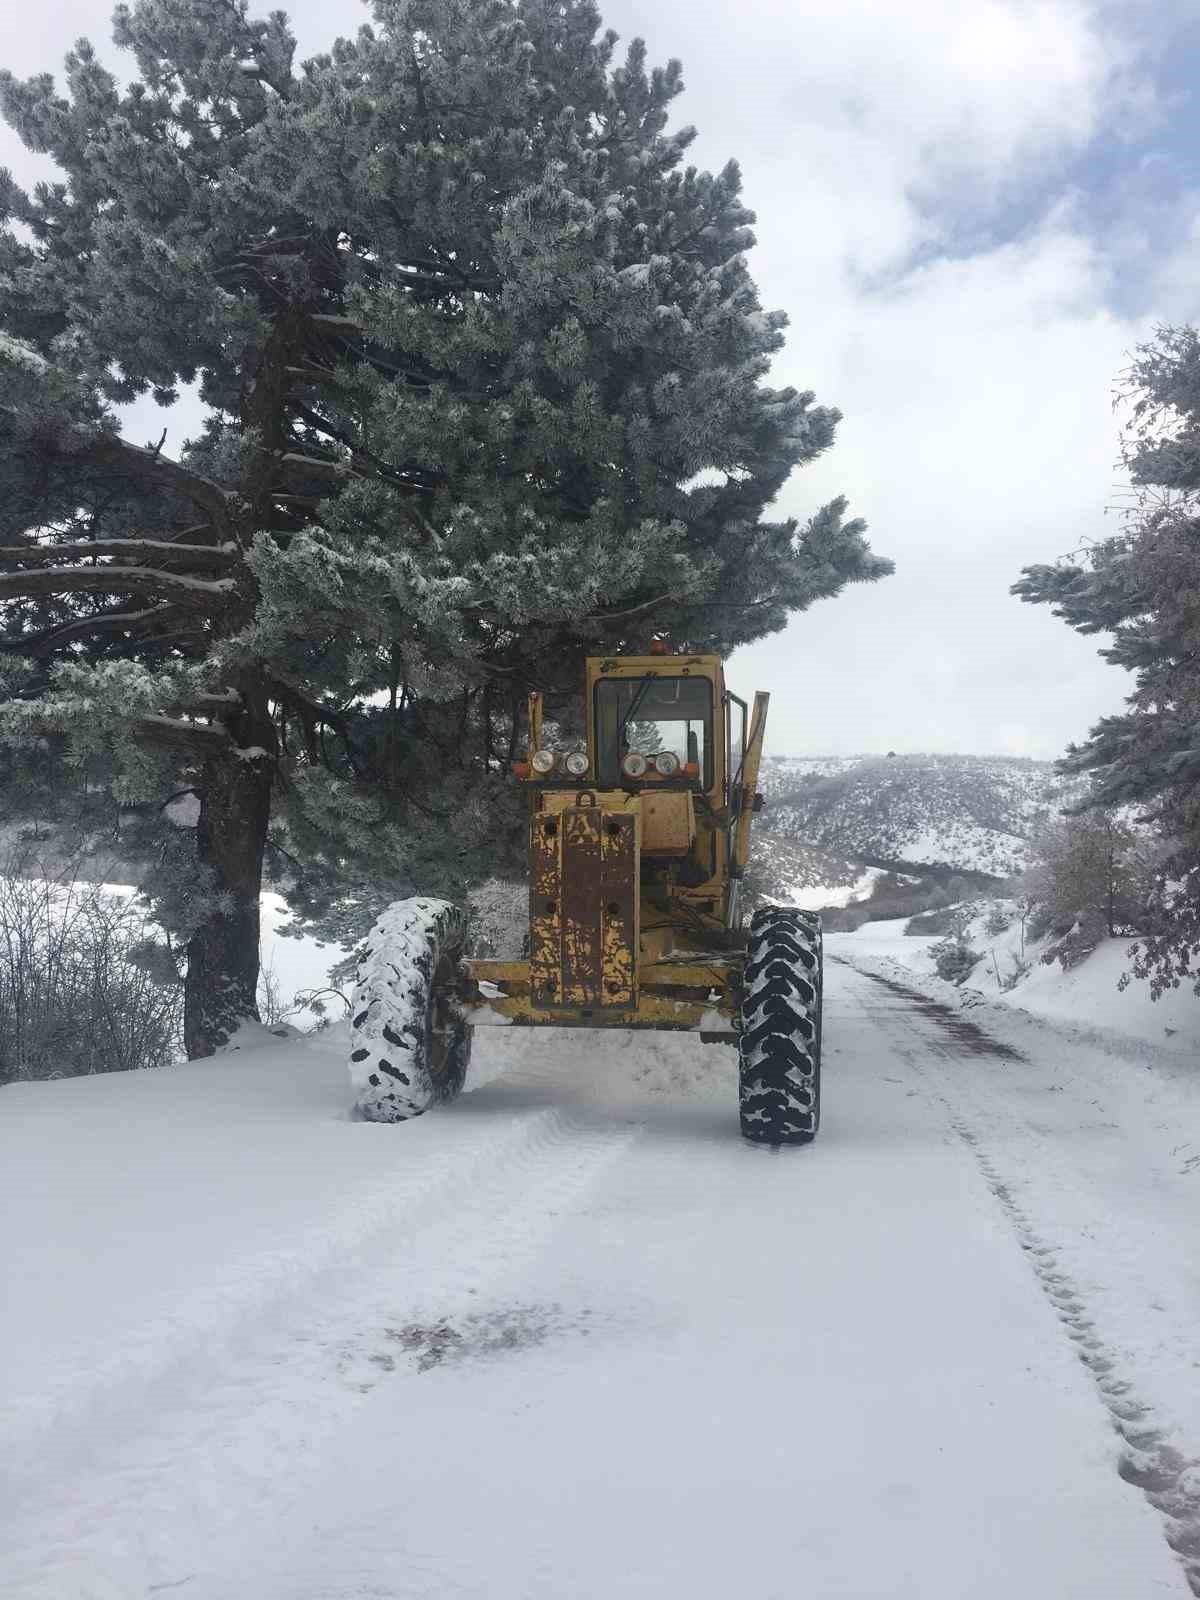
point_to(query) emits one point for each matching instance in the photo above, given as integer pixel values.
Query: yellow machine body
(634, 879)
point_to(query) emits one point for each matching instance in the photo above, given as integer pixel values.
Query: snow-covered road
(573, 1338)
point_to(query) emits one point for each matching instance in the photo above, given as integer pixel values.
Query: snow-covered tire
(779, 1047)
(411, 1045)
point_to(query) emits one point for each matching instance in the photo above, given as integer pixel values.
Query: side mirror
(759, 804)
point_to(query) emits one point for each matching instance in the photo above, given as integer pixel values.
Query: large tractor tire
(411, 1046)
(779, 1047)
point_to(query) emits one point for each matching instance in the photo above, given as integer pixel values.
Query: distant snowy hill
(805, 875)
(970, 812)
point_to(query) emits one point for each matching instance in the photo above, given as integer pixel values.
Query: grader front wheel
(411, 1048)
(779, 1048)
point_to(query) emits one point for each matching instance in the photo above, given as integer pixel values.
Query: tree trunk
(222, 972)
(221, 989)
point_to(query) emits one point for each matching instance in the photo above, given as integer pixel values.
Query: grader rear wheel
(779, 1048)
(411, 1048)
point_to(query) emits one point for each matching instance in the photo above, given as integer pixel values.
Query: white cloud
(978, 433)
(979, 436)
(1175, 278)
(960, 87)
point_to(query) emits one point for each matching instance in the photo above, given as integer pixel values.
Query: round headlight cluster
(544, 762)
(664, 763)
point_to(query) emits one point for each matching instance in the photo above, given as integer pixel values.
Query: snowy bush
(953, 959)
(1085, 934)
(999, 920)
(84, 985)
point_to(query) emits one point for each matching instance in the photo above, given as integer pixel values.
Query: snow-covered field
(818, 896)
(573, 1337)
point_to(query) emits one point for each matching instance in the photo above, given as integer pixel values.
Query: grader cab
(639, 836)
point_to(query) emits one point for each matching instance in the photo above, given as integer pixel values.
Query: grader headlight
(666, 764)
(542, 762)
(576, 763)
(634, 765)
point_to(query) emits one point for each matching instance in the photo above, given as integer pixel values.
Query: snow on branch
(19, 354)
(175, 731)
(199, 555)
(116, 580)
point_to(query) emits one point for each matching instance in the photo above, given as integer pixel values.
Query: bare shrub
(86, 984)
(270, 996)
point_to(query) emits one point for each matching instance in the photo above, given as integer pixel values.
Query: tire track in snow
(1169, 1479)
(1149, 1461)
(485, 1241)
(202, 1472)
(166, 1364)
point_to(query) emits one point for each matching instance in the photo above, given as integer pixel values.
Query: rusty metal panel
(668, 822)
(583, 909)
(619, 909)
(545, 908)
(581, 977)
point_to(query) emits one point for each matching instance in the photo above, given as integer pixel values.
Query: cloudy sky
(972, 211)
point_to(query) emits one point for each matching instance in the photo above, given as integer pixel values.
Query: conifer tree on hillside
(484, 368)
(1143, 587)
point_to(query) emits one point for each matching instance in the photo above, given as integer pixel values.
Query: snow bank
(1084, 997)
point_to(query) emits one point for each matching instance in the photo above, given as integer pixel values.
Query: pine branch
(199, 592)
(414, 478)
(319, 465)
(633, 611)
(101, 623)
(205, 705)
(151, 466)
(155, 468)
(287, 689)
(172, 731)
(200, 555)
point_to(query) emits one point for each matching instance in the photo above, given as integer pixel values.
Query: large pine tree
(483, 365)
(1143, 587)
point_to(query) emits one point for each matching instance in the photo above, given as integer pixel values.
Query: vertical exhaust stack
(745, 802)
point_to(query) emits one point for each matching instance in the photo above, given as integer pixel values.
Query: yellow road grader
(639, 836)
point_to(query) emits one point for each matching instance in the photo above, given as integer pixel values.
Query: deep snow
(573, 1337)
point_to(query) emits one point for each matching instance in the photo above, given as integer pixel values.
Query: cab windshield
(651, 714)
